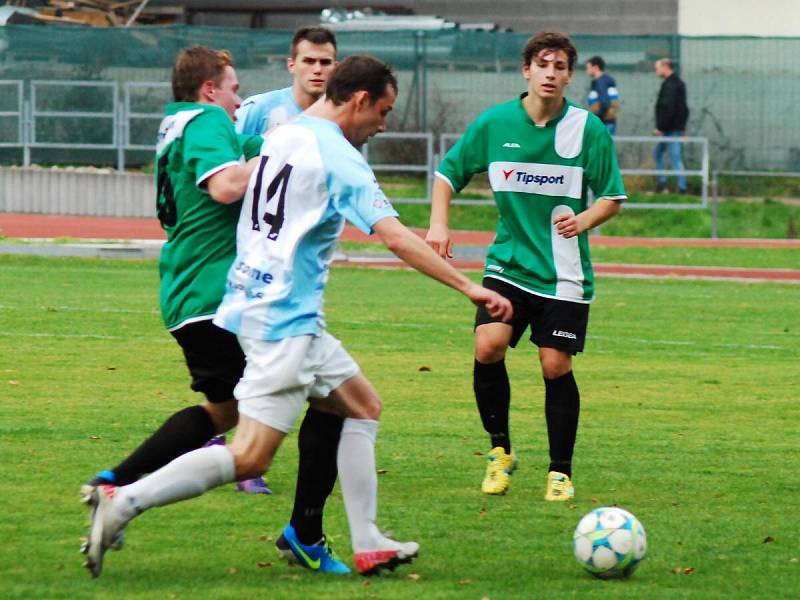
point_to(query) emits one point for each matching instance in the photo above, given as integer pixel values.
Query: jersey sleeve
(602, 168)
(355, 193)
(251, 145)
(467, 158)
(210, 145)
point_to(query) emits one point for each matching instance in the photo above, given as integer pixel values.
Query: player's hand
(496, 305)
(438, 238)
(569, 225)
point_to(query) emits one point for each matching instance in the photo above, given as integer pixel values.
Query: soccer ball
(609, 542)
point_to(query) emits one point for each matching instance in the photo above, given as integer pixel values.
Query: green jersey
(195, 141)
(537, 173)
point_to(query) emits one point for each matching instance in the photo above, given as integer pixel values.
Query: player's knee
(368, 408)
(490, 351)
(248, 464)
(554, 367)
(224, 415)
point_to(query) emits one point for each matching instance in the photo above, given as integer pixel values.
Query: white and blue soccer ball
(609, 542)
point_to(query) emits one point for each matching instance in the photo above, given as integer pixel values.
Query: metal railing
(426, 168)
(18, 114)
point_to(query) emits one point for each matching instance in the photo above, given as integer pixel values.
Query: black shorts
(554, 323)
(215, 360)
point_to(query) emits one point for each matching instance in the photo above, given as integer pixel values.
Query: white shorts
(280, 376)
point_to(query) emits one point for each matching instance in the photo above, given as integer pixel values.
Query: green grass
(689, 420)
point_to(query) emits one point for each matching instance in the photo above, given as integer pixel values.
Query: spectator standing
(672, 113)
(603, 99)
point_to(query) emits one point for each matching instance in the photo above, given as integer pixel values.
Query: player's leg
(215, 362)
(188, 476)
(318, 442)
(353, 396)
(491, 385)
(271, 393)
(560, 330)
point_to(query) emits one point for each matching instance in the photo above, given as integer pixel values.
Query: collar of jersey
(551, 122)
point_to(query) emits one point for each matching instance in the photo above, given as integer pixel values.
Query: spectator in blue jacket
(603, 99)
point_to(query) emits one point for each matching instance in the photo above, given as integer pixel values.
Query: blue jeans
(674, 158)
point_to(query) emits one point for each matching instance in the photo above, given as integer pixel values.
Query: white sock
(189, 475)
(356, 463)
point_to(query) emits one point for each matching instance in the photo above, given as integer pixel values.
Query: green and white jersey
(195, 141)
(536, 173)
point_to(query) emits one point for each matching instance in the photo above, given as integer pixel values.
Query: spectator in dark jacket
(672, 113)
(603, 99)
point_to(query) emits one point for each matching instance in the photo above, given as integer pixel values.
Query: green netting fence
(742, 91)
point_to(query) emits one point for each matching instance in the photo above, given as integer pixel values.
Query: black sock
(493, 395)
(562, 405)
(318, 442)
(186, 430)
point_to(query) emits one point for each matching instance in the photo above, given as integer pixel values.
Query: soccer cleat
(318, 557)
(87, 489)
(387, 558)
(257, 485)
(559, 487)
(499, 467)
(106, 528)
(217, 440)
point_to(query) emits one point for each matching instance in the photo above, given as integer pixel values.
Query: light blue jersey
(262, 112)
(310, 179)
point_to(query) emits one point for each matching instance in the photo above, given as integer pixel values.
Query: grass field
(689, 420)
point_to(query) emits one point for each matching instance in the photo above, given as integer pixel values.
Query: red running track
(17, 225)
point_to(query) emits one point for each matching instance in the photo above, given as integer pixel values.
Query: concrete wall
(739, 17)
(92, 192)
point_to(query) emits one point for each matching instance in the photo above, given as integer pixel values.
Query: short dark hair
(667, 62)
(315, 35)
(597, 61)
(193, 67)
(549, 40)
(356, 73)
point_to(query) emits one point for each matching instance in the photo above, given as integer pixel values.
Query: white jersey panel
(566, 260)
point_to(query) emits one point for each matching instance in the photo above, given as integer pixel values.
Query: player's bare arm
(569, 225)
(230, 184)
(416, 253)
(438, 237)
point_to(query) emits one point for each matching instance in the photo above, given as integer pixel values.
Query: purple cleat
(217, 440)
(257, 485)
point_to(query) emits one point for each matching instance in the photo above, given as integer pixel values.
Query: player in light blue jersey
(309, 180)
(312, 58)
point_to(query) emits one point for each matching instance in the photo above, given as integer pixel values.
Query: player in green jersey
(201, 176)
(542, 153)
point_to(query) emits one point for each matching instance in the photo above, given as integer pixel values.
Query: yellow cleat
(499, 467)
(559, 487)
